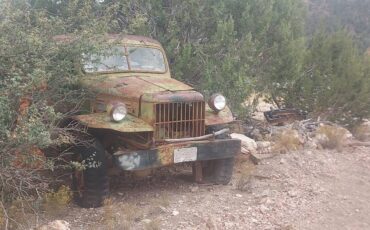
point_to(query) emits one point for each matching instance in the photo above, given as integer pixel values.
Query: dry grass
(163, 200)
(287, 141)
(153, 225)
(333, 137)
(109, 218)
(124, 216)
(23, 213)
(118, 217)
(362, 132)
(132, 212)
(55, 203)
(19, 213)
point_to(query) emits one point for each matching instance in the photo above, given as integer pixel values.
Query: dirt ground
(307, 189)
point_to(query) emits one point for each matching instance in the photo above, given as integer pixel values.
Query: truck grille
(179, 120)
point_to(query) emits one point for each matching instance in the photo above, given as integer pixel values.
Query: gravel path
(308, 189)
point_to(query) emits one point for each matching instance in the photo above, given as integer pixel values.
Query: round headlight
(118, 112)
(217, 102)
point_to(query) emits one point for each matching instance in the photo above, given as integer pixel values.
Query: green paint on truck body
(159, 107)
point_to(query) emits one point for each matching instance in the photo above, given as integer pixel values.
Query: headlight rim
(211, 102)
(113, 107)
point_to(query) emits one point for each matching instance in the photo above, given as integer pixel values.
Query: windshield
(117, 59)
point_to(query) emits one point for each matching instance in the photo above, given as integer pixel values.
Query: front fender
(102, 121)
(222, 117)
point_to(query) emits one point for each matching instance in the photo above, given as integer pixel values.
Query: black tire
(218, 171)
(91, 185)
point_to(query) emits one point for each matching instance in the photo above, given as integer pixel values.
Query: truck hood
(132, 86)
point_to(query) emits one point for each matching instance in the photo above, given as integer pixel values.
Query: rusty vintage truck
(141, 118)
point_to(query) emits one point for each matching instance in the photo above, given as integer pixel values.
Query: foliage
(55, 202)
(38, 79)
(334, 15)
(287, 141)
(333, 137)
(277, 27)
(362, 131)
(232, 47)
(335, 83)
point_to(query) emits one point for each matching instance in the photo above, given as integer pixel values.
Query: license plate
(185, 154)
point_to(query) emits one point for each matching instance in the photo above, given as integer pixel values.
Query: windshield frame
(126, 46)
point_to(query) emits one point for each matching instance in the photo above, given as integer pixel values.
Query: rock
(229, 225)
(264, 146)
(194, 189)
(56, 225)
(292, 193)
(257, 158)
(254, 220)
(239, 195)
(256, 134)
(163, 209)
(146, 221)
(263, 209)
(175, 213)
(248, 145)
(320, 139)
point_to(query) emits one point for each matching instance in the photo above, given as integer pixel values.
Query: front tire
(91, 185)
(218, 171)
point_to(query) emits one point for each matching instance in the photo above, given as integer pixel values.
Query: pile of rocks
(308, 134)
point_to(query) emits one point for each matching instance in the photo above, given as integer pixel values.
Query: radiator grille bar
(179, 120)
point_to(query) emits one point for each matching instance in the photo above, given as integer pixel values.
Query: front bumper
(177, 153)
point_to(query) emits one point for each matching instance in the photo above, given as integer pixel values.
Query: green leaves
(335, 82)
(37, 73)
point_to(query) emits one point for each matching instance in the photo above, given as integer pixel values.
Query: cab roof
(125, 39)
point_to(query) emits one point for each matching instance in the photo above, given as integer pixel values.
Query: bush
(336, 83)
(37, 75)
(288, 140)
(333, 137)
(362, 131)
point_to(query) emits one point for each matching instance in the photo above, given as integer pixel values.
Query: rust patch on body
(103, 121)
(132, 86)
(222, 117)
(179, 96)
(165, 155)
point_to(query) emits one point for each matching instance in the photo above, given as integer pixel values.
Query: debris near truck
(309, 133)
(141, 118)
(284, 116)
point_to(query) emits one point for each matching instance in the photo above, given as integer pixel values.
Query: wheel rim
(78, 175)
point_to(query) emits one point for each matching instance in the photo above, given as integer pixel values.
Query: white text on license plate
(185, 154)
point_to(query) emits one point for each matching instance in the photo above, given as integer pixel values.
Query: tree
(336, 82)
(37, 76)
(335, 15)
(219, 45)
